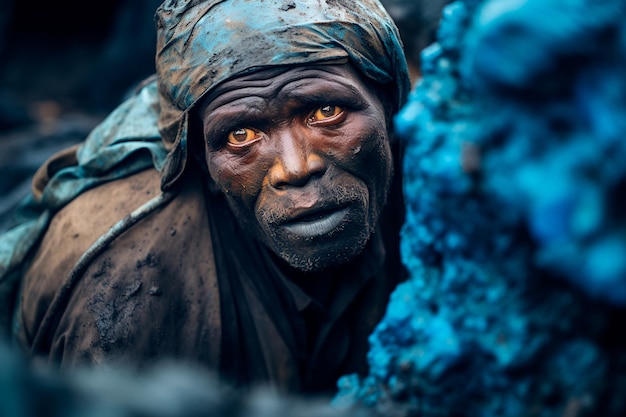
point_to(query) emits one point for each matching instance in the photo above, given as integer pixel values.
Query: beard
(314, 254)
(325, 250)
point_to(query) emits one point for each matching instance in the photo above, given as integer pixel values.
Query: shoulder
(77, 225)
(73, 229)
(160, 270)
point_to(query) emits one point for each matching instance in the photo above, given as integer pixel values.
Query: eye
(326, 113)
(243, 136)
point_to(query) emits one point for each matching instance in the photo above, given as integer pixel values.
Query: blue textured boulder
(515, 235)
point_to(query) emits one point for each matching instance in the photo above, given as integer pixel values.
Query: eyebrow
(225, 118)
(337, 92)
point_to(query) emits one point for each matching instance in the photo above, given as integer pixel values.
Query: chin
(319, 262)
(323, 251)
(319, 256)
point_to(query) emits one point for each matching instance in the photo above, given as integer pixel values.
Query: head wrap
(203, 43)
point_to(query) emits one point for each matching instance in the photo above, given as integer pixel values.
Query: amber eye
(243, 136)
(325, 113)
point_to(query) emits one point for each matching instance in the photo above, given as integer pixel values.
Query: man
(230, 213)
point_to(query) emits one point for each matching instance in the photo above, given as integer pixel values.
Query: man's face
(303, 158)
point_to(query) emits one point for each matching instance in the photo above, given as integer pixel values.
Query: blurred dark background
(64, 66)
(80, 55)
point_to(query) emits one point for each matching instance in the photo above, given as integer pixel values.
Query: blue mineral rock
(515, 232)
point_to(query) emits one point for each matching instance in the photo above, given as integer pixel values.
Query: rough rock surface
(515, 235)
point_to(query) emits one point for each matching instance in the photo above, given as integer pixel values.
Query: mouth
(316, 223)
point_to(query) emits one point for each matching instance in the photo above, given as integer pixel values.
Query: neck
(318, 284)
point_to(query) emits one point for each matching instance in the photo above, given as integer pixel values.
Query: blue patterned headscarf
(203, 43)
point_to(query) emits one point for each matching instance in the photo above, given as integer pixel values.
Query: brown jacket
(154, 293)
(128, 301)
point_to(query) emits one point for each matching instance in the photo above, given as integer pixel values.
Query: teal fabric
(127, 141)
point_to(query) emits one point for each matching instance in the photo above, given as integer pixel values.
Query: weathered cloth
(122, 253)
(126, 142)
(153, 293)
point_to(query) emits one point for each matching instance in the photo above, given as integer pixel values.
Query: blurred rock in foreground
(515, 236)
(168, 389)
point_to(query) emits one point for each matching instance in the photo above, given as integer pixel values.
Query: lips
(316, 222)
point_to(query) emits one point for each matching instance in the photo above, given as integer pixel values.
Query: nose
(296, 160)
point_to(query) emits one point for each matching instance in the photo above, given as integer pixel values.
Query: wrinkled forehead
(284, 82)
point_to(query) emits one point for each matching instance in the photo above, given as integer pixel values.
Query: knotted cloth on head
(203, 43)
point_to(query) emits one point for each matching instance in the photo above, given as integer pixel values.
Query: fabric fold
(126, 142)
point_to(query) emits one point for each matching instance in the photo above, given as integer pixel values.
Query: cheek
(365, 150)
(372, 163)
(238, 177)
(378, 168)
